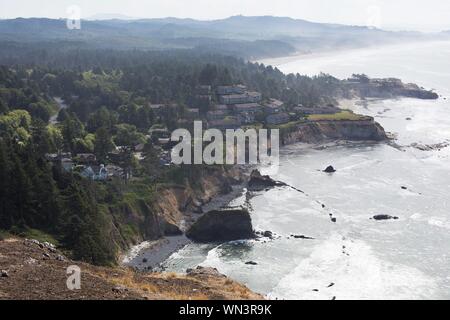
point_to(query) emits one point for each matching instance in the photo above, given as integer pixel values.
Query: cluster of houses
(87, 165)
(234, 106)
(239, 106)
(228, 107)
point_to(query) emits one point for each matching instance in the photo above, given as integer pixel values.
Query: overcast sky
(425, 15)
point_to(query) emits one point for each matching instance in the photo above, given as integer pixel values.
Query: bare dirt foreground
(33, 270)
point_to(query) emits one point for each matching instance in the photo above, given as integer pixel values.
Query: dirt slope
(33, 270)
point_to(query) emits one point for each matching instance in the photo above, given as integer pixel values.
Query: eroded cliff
(366, 129)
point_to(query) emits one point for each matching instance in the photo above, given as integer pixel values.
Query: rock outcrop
(166, 214)
(318, 131)
(225, 225)
(384, 217)
(329, 169)
(258, 182)
(173, 202)
(430, 147)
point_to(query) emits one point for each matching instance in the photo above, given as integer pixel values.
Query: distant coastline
(278, 62)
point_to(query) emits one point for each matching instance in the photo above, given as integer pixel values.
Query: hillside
(248, 37)
(35, 271)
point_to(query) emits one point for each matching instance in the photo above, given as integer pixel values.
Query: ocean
(355, 257)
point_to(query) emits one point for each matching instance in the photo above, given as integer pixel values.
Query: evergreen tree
(5, 188)
(103, 144)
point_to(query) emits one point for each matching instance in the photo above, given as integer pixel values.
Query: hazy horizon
(416, 15)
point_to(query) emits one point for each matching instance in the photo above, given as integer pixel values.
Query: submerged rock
(329, 169)
(430, 147)
(384, 217)
(268, 234)
(295, 236)
(225, 225)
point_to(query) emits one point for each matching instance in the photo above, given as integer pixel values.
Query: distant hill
(111, 16)
(248, 37)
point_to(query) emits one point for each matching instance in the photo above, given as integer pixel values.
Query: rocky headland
(362, 129)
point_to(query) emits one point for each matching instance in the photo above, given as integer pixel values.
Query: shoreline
(149, 255)
(280, 61)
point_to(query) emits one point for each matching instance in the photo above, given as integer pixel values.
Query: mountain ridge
(249, 37)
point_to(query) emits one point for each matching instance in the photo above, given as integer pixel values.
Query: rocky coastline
(180, 207)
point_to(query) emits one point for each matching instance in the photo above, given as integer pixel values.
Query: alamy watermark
(74, 278)
(238, 146)
(73, 21)
(374, 17)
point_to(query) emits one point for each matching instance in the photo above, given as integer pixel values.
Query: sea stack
(330, 169)
(222, 225)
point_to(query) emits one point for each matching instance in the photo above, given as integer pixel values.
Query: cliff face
(136, 219)
(173, 202)
(317, 131)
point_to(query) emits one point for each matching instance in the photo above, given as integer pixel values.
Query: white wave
(434, 221)
(355, 274)
(135, 250)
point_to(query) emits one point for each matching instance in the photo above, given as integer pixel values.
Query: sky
(422, 15)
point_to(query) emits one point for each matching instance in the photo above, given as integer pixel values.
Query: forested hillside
(108, 94)
(247, 37)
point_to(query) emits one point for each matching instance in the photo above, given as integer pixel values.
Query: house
(165, 158)
(102, 172)
(247, 97)
(221, 107)
(254, 96)
(224, 124)
(394, 82)
(67, 164)
(278, 118)
(115, 171)
(96, 173)
(247, 111)
(86, 158)
(273, 106)
(54, 157)
(216, 115)
(247, 107)
(157, 133)
(62, 158)
(227, 90)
